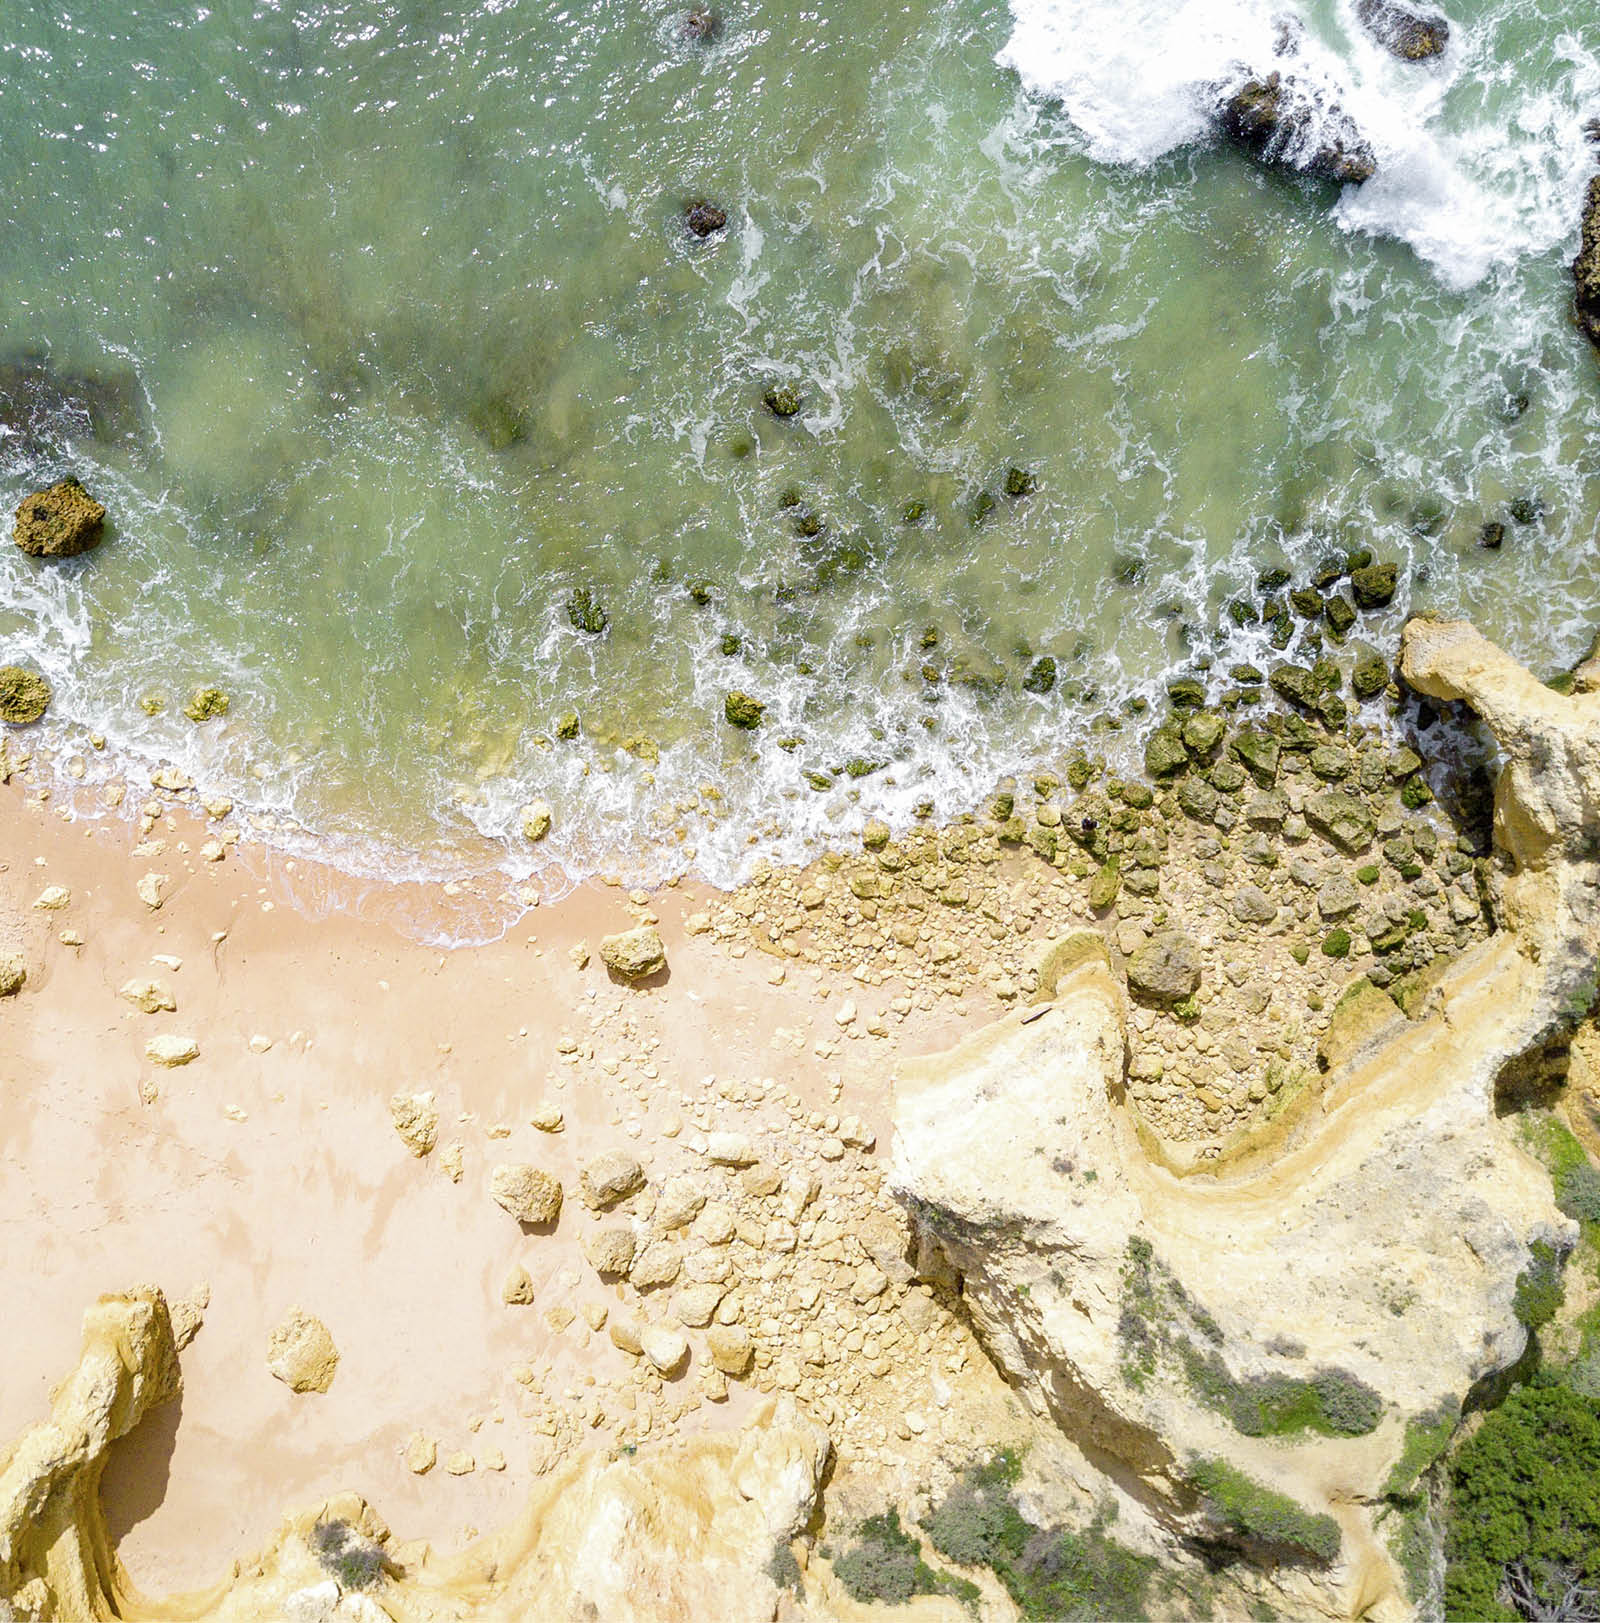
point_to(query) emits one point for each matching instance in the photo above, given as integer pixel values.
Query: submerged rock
(40, 406)
(1413, 36)
(782, 400)
(1280, 122)
(1586, 267)
(704, 218)
(24, 695)
(585, 612)
(59, 522)
(701, 23)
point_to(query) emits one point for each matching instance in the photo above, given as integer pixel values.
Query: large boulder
(1586, 267)
(59, 522)
(1279, 121)
(1413, 36)
(634, 955)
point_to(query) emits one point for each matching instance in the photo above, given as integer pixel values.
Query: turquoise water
(417, 344)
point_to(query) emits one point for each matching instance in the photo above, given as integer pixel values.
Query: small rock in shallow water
(24, 695)
(703, 218)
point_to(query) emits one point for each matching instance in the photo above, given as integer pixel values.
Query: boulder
(24, 695)
(1374, 585)
(610, 1250)
(301, 1353)
(666, 1349)
(1413, 36)
(741, 710)
(528, 1193)
(535, 820)
(59, 522)
(1281, 122)
(416, 1120)
(1340, 818)
(703, 218)
(205, 703)
(1166, 969)
(730, 1347)
(632, 955)
(611, 1176)
(1586, 267)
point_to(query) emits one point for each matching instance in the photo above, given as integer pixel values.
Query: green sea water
(413, 342)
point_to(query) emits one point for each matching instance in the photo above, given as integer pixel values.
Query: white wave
(1479, 159)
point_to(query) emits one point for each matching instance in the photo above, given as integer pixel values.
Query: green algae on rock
(742, 710)
(24, 695)
(205, 703)
(59, 522)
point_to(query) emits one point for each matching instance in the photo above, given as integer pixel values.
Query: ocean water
(394, 337)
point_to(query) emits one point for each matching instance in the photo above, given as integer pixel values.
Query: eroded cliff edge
(1249, 1356)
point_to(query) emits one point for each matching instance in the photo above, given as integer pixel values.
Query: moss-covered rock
(1374, 585)
(59, 522)
(24, 695)
(585, 612)
(1340, 818)
(742, 710)
(1341, 614)
(1041, 675)
(1164, 754)
(782, 400)
(567, 725)
(1020, 482)
(1258, 752)
(1370, 675)
(1296, 684)
(204, 703)
(1202, 732)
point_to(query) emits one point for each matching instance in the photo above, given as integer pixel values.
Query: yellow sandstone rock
(301, 1353)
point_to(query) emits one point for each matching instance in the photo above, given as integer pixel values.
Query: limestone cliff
(1296, 1318)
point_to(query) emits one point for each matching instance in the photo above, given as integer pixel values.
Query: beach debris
(634, 954)
(59, 522)
(416, 1120)
(24, 695)
(529, 1194)
(301, 1353)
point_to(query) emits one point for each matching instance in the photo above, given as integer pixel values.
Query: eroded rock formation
(1586, 267)
(1306, 1307)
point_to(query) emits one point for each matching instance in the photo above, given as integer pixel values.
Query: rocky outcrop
(41, 406)
(1279, 121)
(1586, 267)
(1413, 36)
(688, 1531)
(24, 695)
(59, 522)
(56, 1559)
(1291, 1318)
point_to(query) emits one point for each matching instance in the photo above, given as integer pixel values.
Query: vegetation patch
(1049, 1572)
(1255, 1514)
(1427, 1437)
(885, 1564)
(1540, 1290)
(1331, 1401)
(1524, 1535)
(356, 1562)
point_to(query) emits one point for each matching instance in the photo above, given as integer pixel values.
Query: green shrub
(1049, 1572)
(1427, 1437)
(886, 1564)
(1257, 1514)
(1539, 1290)
(1331, 1402)
(344, 1553)
(1524, 1490)
(783, 1569)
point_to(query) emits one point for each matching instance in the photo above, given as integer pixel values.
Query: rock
(1202, 732)
(634, 954)
(610, 1250)
(667, 1350)
(1258, 753)
(730, 1347)
(1586, 267)
(1296, 684)
(1164, 753)
(584, 611)
(421, 1453)
(529, 1194)
(1281, 122)
(1362, 1017)
(13, 973)
(658, 1264)
(679, 1203)
(416, 1120)
(1411, 35)
(611, 1176)
(695, 1304)
(59, 522)
(450, 1161)
(171, 1051)
(703, 218)
(730, 1149)
(53, 899)
(24, 695)
(1338, 897)
(1166, 969)
(150, 889)
(206, 703)
(1340, 818)
(1370, 675)
(742, 710)
(55, 1550)
(701, 24)
(1040, 677)
(1251, 905)
(301, 1353)
(461, 1463)
(624, 1335)
(782, 400)
(535, 819)
(1375, 585)
(148, 996)
(547, 1117)
(518, 1288)
(40, 404)
(875, 836)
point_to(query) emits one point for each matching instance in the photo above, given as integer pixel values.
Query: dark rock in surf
(59, 522)
(704, 218)
(1413, 36)
(1280, 123)
(702, 25)
(1586, 267)
(40, 406)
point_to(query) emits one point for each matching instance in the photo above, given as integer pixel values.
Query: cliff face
(1301, 1319)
